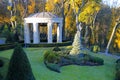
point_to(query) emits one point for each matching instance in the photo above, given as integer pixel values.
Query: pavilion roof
(43, 15)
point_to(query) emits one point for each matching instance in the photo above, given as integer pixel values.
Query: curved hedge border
(12, 45)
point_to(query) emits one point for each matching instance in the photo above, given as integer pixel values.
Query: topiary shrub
(77, 46)
(19, 66)
(1, 63)
(56, 49)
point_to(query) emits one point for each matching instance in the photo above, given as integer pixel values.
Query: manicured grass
(72, 72)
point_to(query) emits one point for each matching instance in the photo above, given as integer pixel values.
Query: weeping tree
(77, 6)
(19, 66)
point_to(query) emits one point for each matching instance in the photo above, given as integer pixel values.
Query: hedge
(49, 44)
(12, 45)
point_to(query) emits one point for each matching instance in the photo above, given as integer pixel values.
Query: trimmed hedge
(12, 45)
(56, 49)
(8, 46)
(49, 44)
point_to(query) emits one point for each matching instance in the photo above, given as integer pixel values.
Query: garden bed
(57, 58)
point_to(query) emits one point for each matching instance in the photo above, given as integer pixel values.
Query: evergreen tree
(77, 46)
(19, 66)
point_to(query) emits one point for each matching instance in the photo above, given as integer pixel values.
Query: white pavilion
(45, 18)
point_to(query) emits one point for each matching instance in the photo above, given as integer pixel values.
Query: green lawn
(72, 72)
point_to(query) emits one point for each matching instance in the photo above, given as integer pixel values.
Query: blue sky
(112, 3)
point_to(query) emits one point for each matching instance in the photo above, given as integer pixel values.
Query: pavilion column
(26, 33)
(36, 38)
(49, 32)
(59, 33)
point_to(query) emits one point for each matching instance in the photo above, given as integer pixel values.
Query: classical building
(44, 18)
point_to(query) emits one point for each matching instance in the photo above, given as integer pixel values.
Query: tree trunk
(86, 35)
(63, 15)
(93, 36)
(111, 37)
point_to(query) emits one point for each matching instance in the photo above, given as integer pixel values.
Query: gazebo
(44, 18)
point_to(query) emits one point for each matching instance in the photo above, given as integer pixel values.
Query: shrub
(51, 57)
(56, 49)
(46, 53)
(1, 63)
(95, 48)
(98, 60)
(19, 66)
(86, 58)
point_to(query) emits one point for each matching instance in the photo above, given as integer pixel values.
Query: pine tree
(76, 44)
(19, 66)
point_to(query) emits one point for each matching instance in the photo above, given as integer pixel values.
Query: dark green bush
(19, 66)
(86, 58)
(56, 48)
(6, 47)
(97, 60)
(1, 63)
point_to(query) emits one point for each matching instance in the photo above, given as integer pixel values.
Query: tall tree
(116, 18)
(88, 16)
(78, 5)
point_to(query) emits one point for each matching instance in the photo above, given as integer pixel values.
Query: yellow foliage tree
(117, 39)
(49, 6)
(89, 12)
(31, 7)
